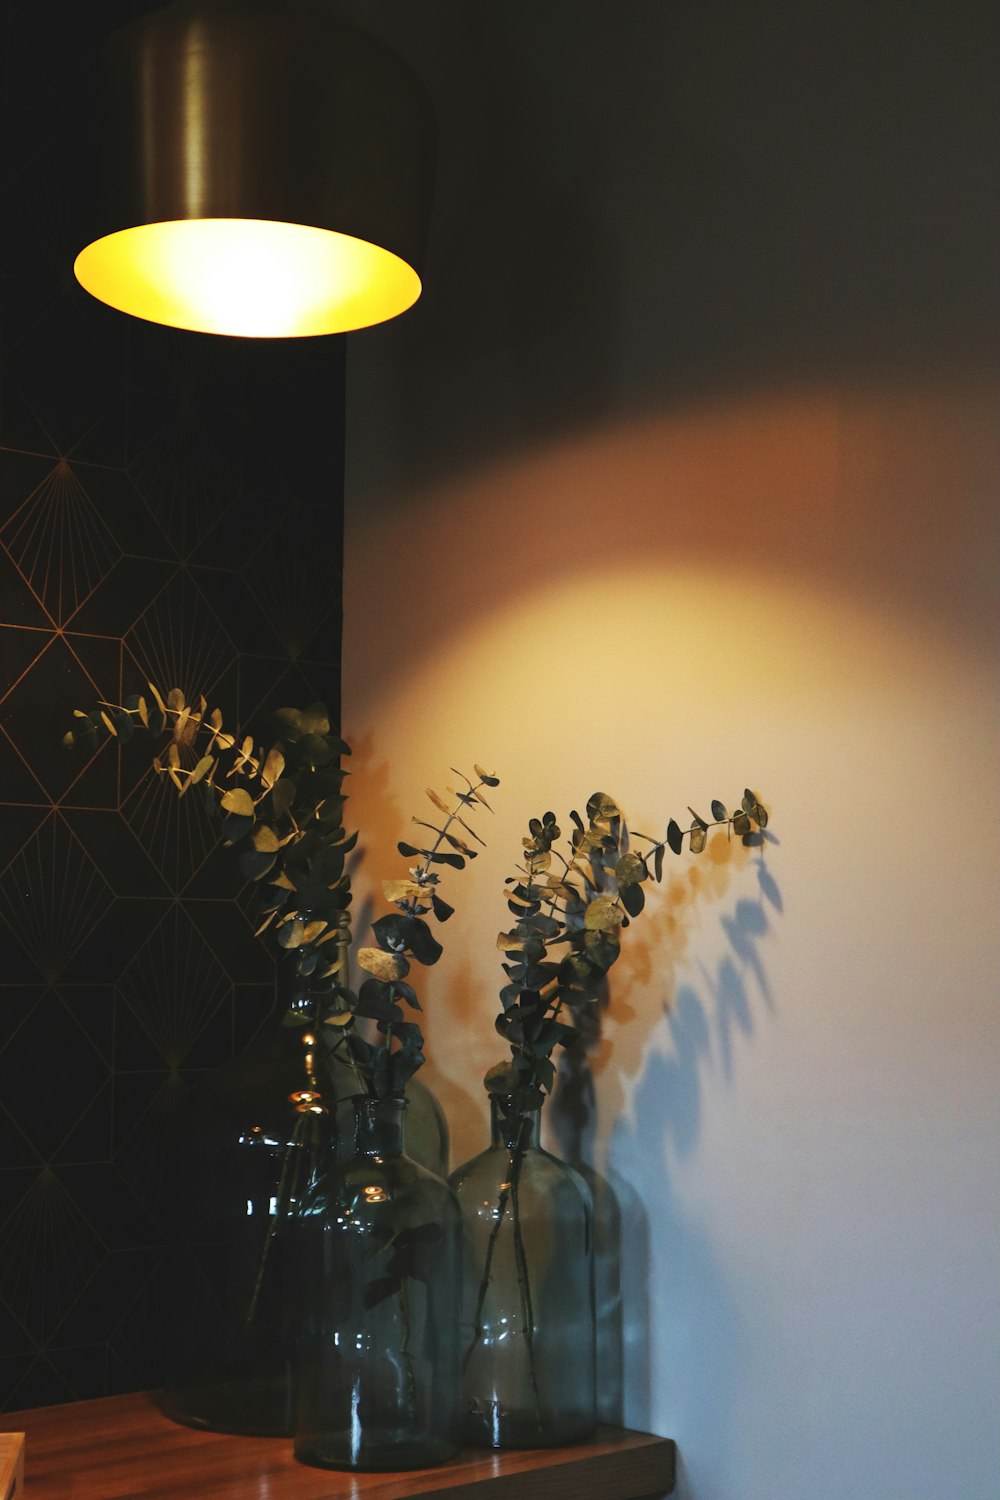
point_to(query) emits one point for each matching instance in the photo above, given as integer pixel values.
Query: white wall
(682, 477)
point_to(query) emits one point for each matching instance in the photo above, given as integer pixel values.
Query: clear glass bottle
(377, 1275)
(528, 1341)
(252, 1140)
(246, 1151)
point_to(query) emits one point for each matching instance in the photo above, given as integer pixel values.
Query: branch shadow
(656, 1118)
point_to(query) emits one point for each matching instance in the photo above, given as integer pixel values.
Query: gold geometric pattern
(178, 640)
(178, 835)
(186, 478)
(60, 543)
(296, 588)
(174, 986)
(48, 1251)
(53, 896)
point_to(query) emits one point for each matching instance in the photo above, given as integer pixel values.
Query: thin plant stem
(509, 1192)
(523, 1282)
(487, 1276)
(405, 1351)
(290, 1156)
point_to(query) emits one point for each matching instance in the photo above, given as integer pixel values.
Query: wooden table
(122, 1447)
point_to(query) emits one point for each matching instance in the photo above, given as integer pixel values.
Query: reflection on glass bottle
(528, 1292)
(251, 1140)
(377, 1274)
(245, 1156)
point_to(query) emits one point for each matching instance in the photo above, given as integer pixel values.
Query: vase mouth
(514, 1128)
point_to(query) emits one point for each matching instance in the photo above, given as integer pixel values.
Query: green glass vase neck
(512, 1130)
(378, 1126)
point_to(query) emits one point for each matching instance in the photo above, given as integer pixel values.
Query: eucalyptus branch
(283, 809)
(542, 984)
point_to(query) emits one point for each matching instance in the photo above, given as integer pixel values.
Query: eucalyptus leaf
(383, 965)
(629, 870)
(238, 800)
(602, 915)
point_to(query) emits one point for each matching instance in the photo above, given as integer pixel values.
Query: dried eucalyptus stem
(579, 910)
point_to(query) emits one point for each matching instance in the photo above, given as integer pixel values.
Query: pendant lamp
(267, 172)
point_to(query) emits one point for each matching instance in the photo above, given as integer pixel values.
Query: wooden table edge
(78, 1438)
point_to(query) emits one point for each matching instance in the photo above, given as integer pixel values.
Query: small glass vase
(248, 1148)
(528, 1339)
(377, 1271)
(244, 1154)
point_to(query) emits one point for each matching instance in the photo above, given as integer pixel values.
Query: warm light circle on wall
(248, 277)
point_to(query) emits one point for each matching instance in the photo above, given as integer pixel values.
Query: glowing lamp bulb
(253, 278)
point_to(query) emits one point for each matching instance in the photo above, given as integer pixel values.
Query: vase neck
(378, 1125)
(513, 1130)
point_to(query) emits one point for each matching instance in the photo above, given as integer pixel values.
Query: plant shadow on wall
(661, 1110)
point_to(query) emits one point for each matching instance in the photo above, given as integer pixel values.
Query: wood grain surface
(123, 1448)
(11, 1465)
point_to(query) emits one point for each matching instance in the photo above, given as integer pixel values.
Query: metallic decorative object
(268, 172)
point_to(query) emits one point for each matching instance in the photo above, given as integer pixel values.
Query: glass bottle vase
(527, 1331)
(243, 1154)
(377, 1271)
(248, 1147)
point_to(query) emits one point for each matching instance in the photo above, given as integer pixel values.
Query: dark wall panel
(170, 507)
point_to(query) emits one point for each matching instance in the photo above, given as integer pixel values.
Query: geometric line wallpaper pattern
(179, 641)
(186, 476)
(173, 986)
(177, 835)
(52, 896)
(60, 543)
(171, 509)
(294, 590)
(48, 1251)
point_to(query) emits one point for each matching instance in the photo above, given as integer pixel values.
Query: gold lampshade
(267, 173)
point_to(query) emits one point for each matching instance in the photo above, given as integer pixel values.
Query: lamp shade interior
(253, 278)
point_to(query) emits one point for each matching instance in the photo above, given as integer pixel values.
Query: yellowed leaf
(402, 890)
(602, 915)
(342, 1018)
(237, 801)
(273, 767)
(313, 929)
(202, 769)
(265, 840)
(290, 930)
(383, 965)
